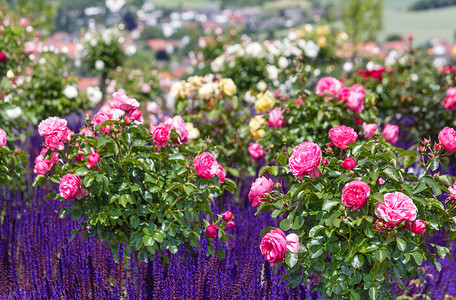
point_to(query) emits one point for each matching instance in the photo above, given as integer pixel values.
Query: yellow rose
(179, 90)
(227, 86)
(264, 102)
(321, 41)
(193, 133)
(255, 127)
(323, 30)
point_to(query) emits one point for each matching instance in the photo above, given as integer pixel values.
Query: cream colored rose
(195, 82)
(255, 127)
(193, 133)
(179, 90)
(208, 90)
(227, 86)
(264, 102)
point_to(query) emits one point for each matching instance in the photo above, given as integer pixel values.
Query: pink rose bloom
(391, 132)
(381, 181)
(206, 166)
(356, 102)
(355, 194)
(2, 138)
(344, 93)
(100, 118)
(178, 124)
(396, 208)
(292, 243)
(42, 165)
(418, 227)
(276, 118)
(259, 187)
(447, 138)
(52, 125)
(230, 225)
(275, 244)
(369, 130)
(53, 142)
(70, 186)
(2, 56)
(305, 160)
(450, 101)
(161, 135)
(227, 216)
(123, 102)
(452, 190)
(93, 160)
(145, 88)
(211, 231)
(256, 152)
(341, 136)
(358, 88)
(86, 132)
(133, 115)
(328, 86)
(349, 163)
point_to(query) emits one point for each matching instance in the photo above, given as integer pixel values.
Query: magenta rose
(276, 118)
(123, 102)
(178, 124)
(355, 194)
(305, 160)
(447, 138)
(42, 165)
(70, 186)
(100, 118)
(2, 56)
(328, 86)
(358, 88)
(230, 225)
(344, 93)
(2, 138)
(206, 166)
(391, 133)
(259, 187)
(161, 134)
(53, 142)
(93, 160)
(450, 101)
(349, 163)
(86, 132)
(256, 152)
(418, 227)
(341, 136)
(133, 115)
(275, 244)
(356, 102)
(211, 231)
(396, 208)
(52, 125)
(369, 130)
(227, 216)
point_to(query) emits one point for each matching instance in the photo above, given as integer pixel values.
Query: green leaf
(392, 173)
(357, 261)
(262, 170)
(281, 159)
(101, 140)
(373, 293)
(286, 224)
(380, 255)
(189, 189)
(274, 170)
(39, 180)
(81, 172)
(177, 156)
(314, 230)
(445, 179)
(401, 244)
(408, 161)
(354, 295)
(291, 259)
(148, 240)
(76, 214)
(417, 257)
(328, 204)
(434, 164)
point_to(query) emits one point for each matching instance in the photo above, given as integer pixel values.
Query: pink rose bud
(325, 161)
(230, 225)
(79, 157)
(379, 225)
(2, 56)
(276, 94)
(349, 163)
(381, 181)
(358, 121)
(211, 231)
(93, 160)
(292, 243)
(422, 148)
(2, 138)
(410, 36)
(329, 144)
(355, 194)
(341, 136)
(298, 101)
(161, 134)
(447, 139)
(418, 227)
(227, 216)
(274, 246)
(135, 114)
(260, 187)
(70, 186)
(437, 147)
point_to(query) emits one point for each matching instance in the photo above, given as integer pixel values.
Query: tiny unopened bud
(329, 150)
(436, 176)
(351, 172)
(422, 149)
(325, 161)
(278, 185)
(437, 147)
(426, 142)
(342, 208)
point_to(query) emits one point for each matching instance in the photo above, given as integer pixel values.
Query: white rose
(70, 92)
(13, 113)
(99, 65)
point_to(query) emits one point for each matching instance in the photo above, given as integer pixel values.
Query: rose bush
(363, 228)
(125, 185)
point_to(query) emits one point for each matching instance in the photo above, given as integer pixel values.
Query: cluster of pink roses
(212, 229)
(275, 245)
(206, 166)
(2, 138)
(390, 132)
(55, 132)
(162, 132)
(353, 96)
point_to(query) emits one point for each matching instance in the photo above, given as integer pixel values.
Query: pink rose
(344, 93)
(355, 194)
(418, 227)
(447, 138)
(53, 142)
(276, 118)
(381, 181)
(452, 190)
(42, 165)
(133, 115)
(396, 208)
(161, 135)
(86, 132)
(369, 130)
(391, 132)
(341, 136)
(211, 231)
(52, 125)
(100, 118)
(2, 56)
(2, 138)
(305, 160)
(70, 186)
(230, 225)
(178, 124)
(123, 102)
(274, 246)
(259, 187)
(356, 102)
(349, 163)
(227, 216)
(93, 160)
(256, 152)
(206, 166)
(328, 86)
(358, 88)
(450, 101)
